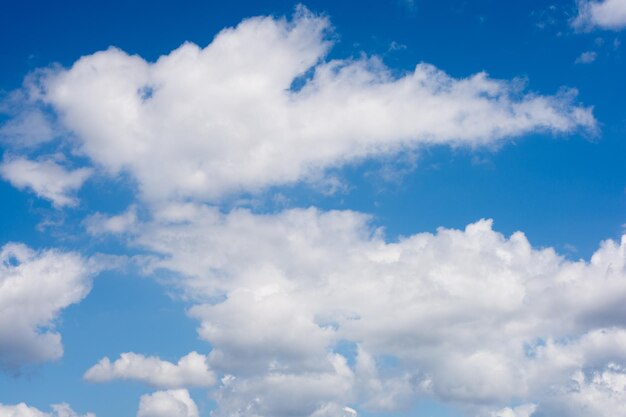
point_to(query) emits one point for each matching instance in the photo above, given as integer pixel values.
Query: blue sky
(276, 209)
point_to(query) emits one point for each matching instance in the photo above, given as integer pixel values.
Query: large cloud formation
(312, 313)
(34, 288)
(309, 311)
(262, 105)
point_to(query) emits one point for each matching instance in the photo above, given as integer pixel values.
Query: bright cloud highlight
(191, 370)
(172, 403)
(261, 106)
(23, 410)
(468, 316)
(305, 312)
(34, 288)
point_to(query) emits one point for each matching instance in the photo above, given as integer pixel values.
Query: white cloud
(206, 122)
(279, 393)
(586, 57)
(349, 412)
(99, 224)
(525, 410)
(468, 316)
(602, 393)
(605, 14)
(30, 128)
(23, 410)
(45, 178)
(27, 124)
(191, 370)
(34, 288)
(171, 403)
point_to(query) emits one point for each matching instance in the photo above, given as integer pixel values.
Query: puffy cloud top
(262, 106)
(172, 403)
(191, 370)
(34, 288)
(311, 313)
(23, 410)
(469, 316)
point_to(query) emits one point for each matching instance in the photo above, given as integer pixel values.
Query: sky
(379, 208)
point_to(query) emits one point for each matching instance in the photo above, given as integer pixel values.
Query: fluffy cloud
(46, 178)
(171, 403)
(601, 393)
(310, 313)
(279, 393)
(100, 224)
(262, 106)
(604, 14)
(191, 370)
(525, 410)
(23, 410)
(34, 288)
(28, 129)
(467, 316)
(597, 388)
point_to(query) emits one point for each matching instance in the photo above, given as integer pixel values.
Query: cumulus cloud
(311, 313)
(191, 370)
(601, 393)
(34, 288)
(171, 403)
(280, 393)
(468, 316)
(261, 105)
(23, 410)
(598, 387)
(45, 178)
(604, 14)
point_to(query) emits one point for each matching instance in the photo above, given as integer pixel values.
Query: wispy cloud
(587, 57)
